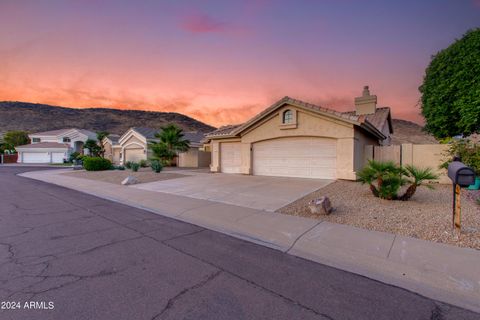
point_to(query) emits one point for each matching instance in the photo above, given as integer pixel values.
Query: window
(287, 117)
(35, 140)
(66, 139)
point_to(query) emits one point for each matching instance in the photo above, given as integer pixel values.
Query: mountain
(409, 132)
(33, 117)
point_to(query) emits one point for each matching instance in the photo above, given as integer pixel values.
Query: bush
(128, 164)
(468, 152)
(96, 164)
(121, 168)
(156, 166)
(386, 178)
(74, 156)
(135, 166)
(143, 163)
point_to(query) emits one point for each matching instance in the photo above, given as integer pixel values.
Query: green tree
(15, 138)
(451, 88)
(100, 136)
(93, 147)
(170, 143)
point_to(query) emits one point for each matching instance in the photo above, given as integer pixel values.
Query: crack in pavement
(198, 285)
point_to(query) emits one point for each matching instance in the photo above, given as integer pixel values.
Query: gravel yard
(426, 216)
(117, 176)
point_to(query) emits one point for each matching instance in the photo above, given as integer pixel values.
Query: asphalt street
(68, 255)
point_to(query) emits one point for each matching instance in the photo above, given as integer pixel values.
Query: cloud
(202, 23)
(476, 3)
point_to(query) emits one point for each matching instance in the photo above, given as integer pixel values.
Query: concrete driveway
(257, 192)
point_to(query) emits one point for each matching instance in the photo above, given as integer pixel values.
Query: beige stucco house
(293, 138)
(133, 146)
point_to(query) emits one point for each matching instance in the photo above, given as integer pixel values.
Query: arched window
(287, 117)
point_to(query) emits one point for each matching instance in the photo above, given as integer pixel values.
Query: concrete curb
(441, 272)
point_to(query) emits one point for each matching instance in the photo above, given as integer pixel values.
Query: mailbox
(460, 174)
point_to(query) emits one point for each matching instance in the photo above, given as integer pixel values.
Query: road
(68, 255)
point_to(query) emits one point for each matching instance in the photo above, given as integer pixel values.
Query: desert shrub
(468, 152)
(121, 168)
(134, 166)
(128, 164)
(156, 165)
(96, 164)
(143, 163)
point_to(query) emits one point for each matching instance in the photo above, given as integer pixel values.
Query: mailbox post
(461, 176)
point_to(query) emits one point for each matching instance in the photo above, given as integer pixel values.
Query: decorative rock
(129, 180)
(321, 205)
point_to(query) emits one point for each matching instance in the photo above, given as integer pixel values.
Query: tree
(93, 147)
(451, 89)
(170, 143)
(100, 136)
(15, 138)
(417, 178)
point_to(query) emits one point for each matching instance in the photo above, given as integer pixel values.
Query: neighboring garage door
(57, 157)
(302, 157)
(230, 157)
(36, 157)
(134, 155)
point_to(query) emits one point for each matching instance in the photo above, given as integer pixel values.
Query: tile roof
(44, 145)
(114, 138)
(377, 119)
(194, 136)
(148, 133)
(224, 130)
(52, 132)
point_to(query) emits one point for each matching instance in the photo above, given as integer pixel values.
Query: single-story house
(133, 146)
(293, 138)
(53, 146)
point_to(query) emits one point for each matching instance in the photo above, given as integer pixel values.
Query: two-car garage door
(43, 157)
(303, 157)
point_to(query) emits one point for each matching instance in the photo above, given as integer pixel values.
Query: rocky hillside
(409, 132)
(40, 117)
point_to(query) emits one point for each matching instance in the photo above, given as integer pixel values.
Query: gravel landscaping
(428, 215)
(117, 176)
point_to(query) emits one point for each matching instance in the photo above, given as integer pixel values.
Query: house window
(35, 140)
(287, 117)
(66, 139)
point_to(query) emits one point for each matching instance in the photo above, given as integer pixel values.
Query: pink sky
(222, 62)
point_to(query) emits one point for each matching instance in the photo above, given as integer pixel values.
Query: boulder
(129, 180)
(321, 205)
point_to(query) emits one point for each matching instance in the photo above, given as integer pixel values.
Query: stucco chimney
(366, 104)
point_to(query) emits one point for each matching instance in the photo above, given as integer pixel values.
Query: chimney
(366, 104)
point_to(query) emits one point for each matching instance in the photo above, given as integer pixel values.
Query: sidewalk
(442, 272)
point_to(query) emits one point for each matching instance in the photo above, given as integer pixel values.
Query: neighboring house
(292, 138)
(111, 149)
(53, 146)
(196, 156)
(133, 146)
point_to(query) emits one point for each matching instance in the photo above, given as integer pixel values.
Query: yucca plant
(417, 177)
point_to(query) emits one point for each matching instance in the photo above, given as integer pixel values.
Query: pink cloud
(476, 3)
(202, 23)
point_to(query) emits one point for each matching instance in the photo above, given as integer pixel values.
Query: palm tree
(417, 178)
(170, 143)
(386, 175)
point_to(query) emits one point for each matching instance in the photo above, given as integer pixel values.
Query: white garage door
(301, 157)
(230, 157)
(57, 157)
(36, 157)
(134, 155)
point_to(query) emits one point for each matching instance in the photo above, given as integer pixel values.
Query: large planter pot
(475, 186)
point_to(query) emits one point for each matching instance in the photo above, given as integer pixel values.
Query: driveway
(90, 258)
(257, 192)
